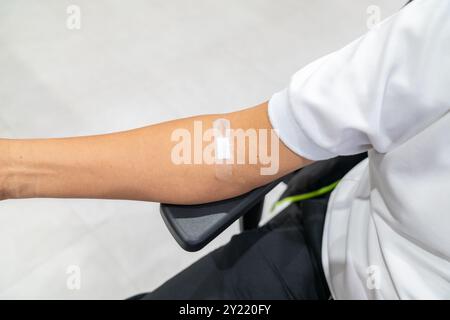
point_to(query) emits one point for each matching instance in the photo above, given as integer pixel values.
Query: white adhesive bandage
(223, 149)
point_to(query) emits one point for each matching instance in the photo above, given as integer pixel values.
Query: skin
(133, 165)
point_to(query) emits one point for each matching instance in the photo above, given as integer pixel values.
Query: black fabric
(280, 260)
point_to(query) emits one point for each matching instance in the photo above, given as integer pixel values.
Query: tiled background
(134, 63)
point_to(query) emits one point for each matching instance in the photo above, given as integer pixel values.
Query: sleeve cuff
(290, 131)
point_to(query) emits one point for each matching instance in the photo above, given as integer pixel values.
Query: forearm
(135, 165)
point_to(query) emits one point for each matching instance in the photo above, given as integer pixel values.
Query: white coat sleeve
(377, 92)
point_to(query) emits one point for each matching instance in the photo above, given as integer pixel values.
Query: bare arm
(135, 165)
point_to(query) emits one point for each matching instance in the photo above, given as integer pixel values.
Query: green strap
(304, 196)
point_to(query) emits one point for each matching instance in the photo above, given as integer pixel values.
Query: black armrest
(194, 226)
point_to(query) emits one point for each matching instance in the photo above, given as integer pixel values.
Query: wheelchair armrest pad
(194, 226)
